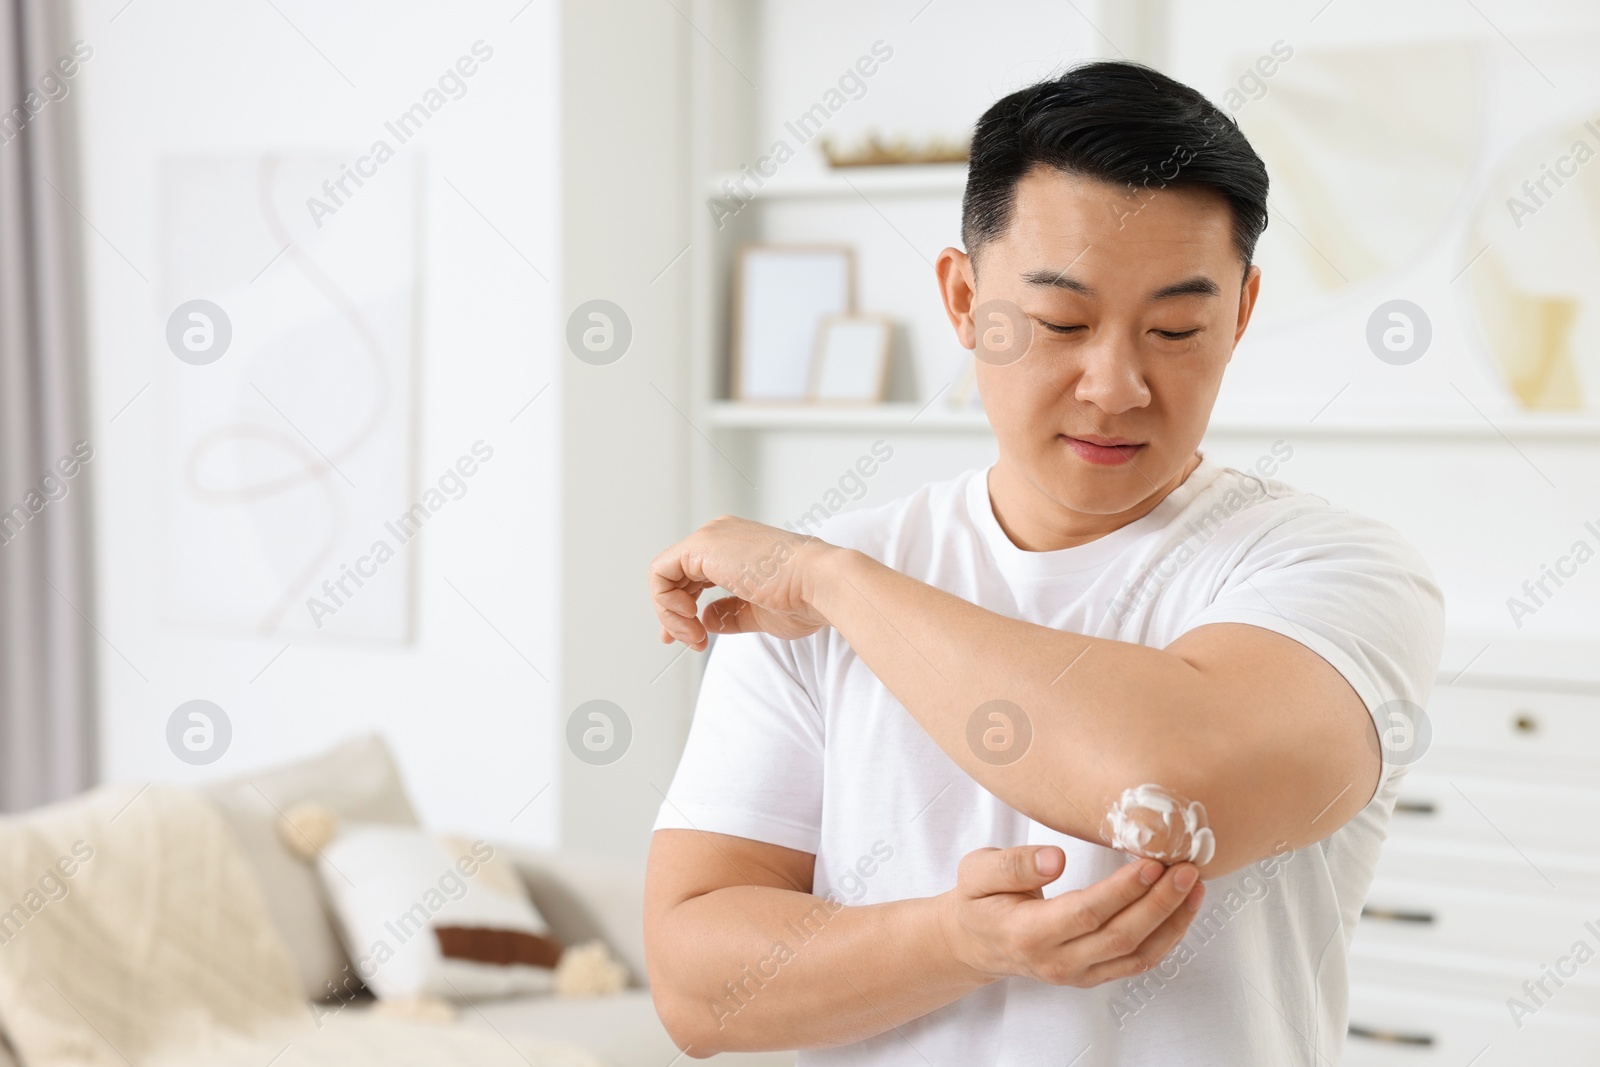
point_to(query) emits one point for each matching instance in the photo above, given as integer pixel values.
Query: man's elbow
(686, 1024)
(1158, 822)
(689, 1019)
(1189, 809)
(1204, 816)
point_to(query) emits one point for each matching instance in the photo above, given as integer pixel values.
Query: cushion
(357, 781)
(435, 916)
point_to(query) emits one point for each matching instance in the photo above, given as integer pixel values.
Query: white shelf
(928, 179)
(1439, 426)
(938, 416)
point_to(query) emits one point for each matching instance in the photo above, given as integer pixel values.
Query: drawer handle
(1415, 807)
(1524, 722)
(1391, 1037)
(1395, 915)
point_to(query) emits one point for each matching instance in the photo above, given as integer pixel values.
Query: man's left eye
(1176, 335)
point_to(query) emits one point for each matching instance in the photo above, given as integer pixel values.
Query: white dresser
(1491, 875)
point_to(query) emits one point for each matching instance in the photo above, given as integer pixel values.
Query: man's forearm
(754, 967)
(1088, 717)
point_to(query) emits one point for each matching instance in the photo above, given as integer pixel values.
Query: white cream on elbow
(1148, 821)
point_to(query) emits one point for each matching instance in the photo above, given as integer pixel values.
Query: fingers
(1155, 948)
(679, 601)
(673, 568)
(675, 587)
(675, 611)
(1086, 910)
(730, 615)
(1009, 870)
(690, 631)
(1127, 931)
(675, 595)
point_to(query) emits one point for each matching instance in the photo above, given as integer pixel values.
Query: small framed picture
(782, 293)
(851, 363)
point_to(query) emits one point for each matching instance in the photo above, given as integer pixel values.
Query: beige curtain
(47, 706)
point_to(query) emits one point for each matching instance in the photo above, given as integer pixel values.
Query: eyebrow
(1199, 285)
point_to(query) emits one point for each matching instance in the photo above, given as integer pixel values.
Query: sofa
(583, 899)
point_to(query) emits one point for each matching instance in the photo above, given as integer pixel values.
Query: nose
(1109, 377)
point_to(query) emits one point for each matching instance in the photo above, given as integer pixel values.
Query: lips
(1104, 451)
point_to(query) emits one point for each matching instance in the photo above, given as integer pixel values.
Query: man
(958, 761)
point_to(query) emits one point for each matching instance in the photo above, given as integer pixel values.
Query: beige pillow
(426, 915)
(359, 782)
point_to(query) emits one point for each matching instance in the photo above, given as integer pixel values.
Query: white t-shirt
(798, 744)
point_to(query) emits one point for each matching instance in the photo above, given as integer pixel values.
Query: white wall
(625, 240)
(472, 722)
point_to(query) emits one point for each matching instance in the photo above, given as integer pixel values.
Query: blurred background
(356, 358)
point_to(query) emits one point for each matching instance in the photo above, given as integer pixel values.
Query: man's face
(1134, 303)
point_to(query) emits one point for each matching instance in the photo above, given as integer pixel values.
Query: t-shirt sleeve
(1354, 592)
(752, 766)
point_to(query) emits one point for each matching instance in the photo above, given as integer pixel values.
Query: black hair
(1117, 122)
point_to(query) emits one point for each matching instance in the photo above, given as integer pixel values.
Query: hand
(997, 922)
(773, 572)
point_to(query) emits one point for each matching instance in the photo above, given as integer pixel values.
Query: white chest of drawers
(1480, 940)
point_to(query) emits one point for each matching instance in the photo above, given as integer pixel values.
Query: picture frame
(850, 364)
(782, 293)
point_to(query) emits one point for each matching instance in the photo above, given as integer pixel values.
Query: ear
(1247, 303)
(958, 287)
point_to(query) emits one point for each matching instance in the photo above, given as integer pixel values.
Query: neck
(1035, 521)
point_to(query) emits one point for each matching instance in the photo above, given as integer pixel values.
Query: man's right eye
(1056, 327)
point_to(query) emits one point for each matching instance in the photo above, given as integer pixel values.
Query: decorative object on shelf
(899, 152)
(851, 364)
(781, 295)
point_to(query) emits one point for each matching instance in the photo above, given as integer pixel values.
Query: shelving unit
(760, 459)
(934, 418)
